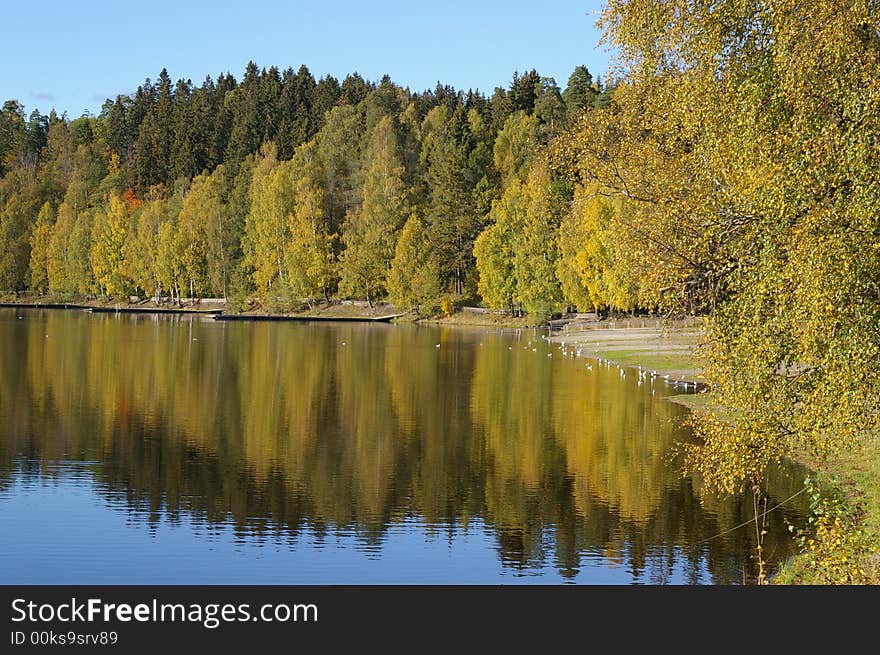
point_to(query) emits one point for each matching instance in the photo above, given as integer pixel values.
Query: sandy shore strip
(665, 349)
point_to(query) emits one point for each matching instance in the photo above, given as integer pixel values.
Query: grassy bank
(843, 545)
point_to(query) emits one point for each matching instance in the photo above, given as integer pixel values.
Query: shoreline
(218, 309)
(664, 349)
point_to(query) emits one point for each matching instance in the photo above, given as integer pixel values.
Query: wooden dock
(216, 314)
(303, 318)
(152, 310)
(48, 305)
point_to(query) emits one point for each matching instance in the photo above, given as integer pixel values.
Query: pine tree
(296, 124)
(156, 134)
(550, 108)
(12, 134)
(354, 89)
(184, 144)
(325, 97)
(245, 131)
(219, 124)
(579, 93)
(524, 91)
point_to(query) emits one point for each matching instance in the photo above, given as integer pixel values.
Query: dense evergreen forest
(291, 189)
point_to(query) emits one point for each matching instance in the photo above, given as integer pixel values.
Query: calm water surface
(143, 449)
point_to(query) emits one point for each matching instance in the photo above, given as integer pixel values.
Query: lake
(182, 450)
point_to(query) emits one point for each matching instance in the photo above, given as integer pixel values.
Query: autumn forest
(729, 169)
(294, 189)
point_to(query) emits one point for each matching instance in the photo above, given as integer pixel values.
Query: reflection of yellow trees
(617, 441)
(511, 400)
(280, 384)
(541, 413)
(352, 426)
(371, 445)
(511, 404)
(428, 389)
(591, 455)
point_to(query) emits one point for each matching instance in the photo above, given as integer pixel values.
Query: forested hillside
(289, 189)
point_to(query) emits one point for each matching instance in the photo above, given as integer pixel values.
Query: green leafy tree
(766, 200)
(309, 255)
(515, 145)
(68, 266)
(20, 201)
(108, 236)
(594, 268)
(59, 239)
(517, 253)
(142, 252)
(370, 232)
(494, 248)
(266, 231)
(200, 228)
(583, 253)
(168, 266)
(536, 247)
(413, 281)
(339, 150)
(40, 237)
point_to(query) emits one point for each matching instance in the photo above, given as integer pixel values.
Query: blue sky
(72, 55)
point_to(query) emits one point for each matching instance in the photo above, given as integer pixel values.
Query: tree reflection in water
(275, 428)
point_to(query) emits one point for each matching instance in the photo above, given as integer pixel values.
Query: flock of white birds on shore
(644, 375)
